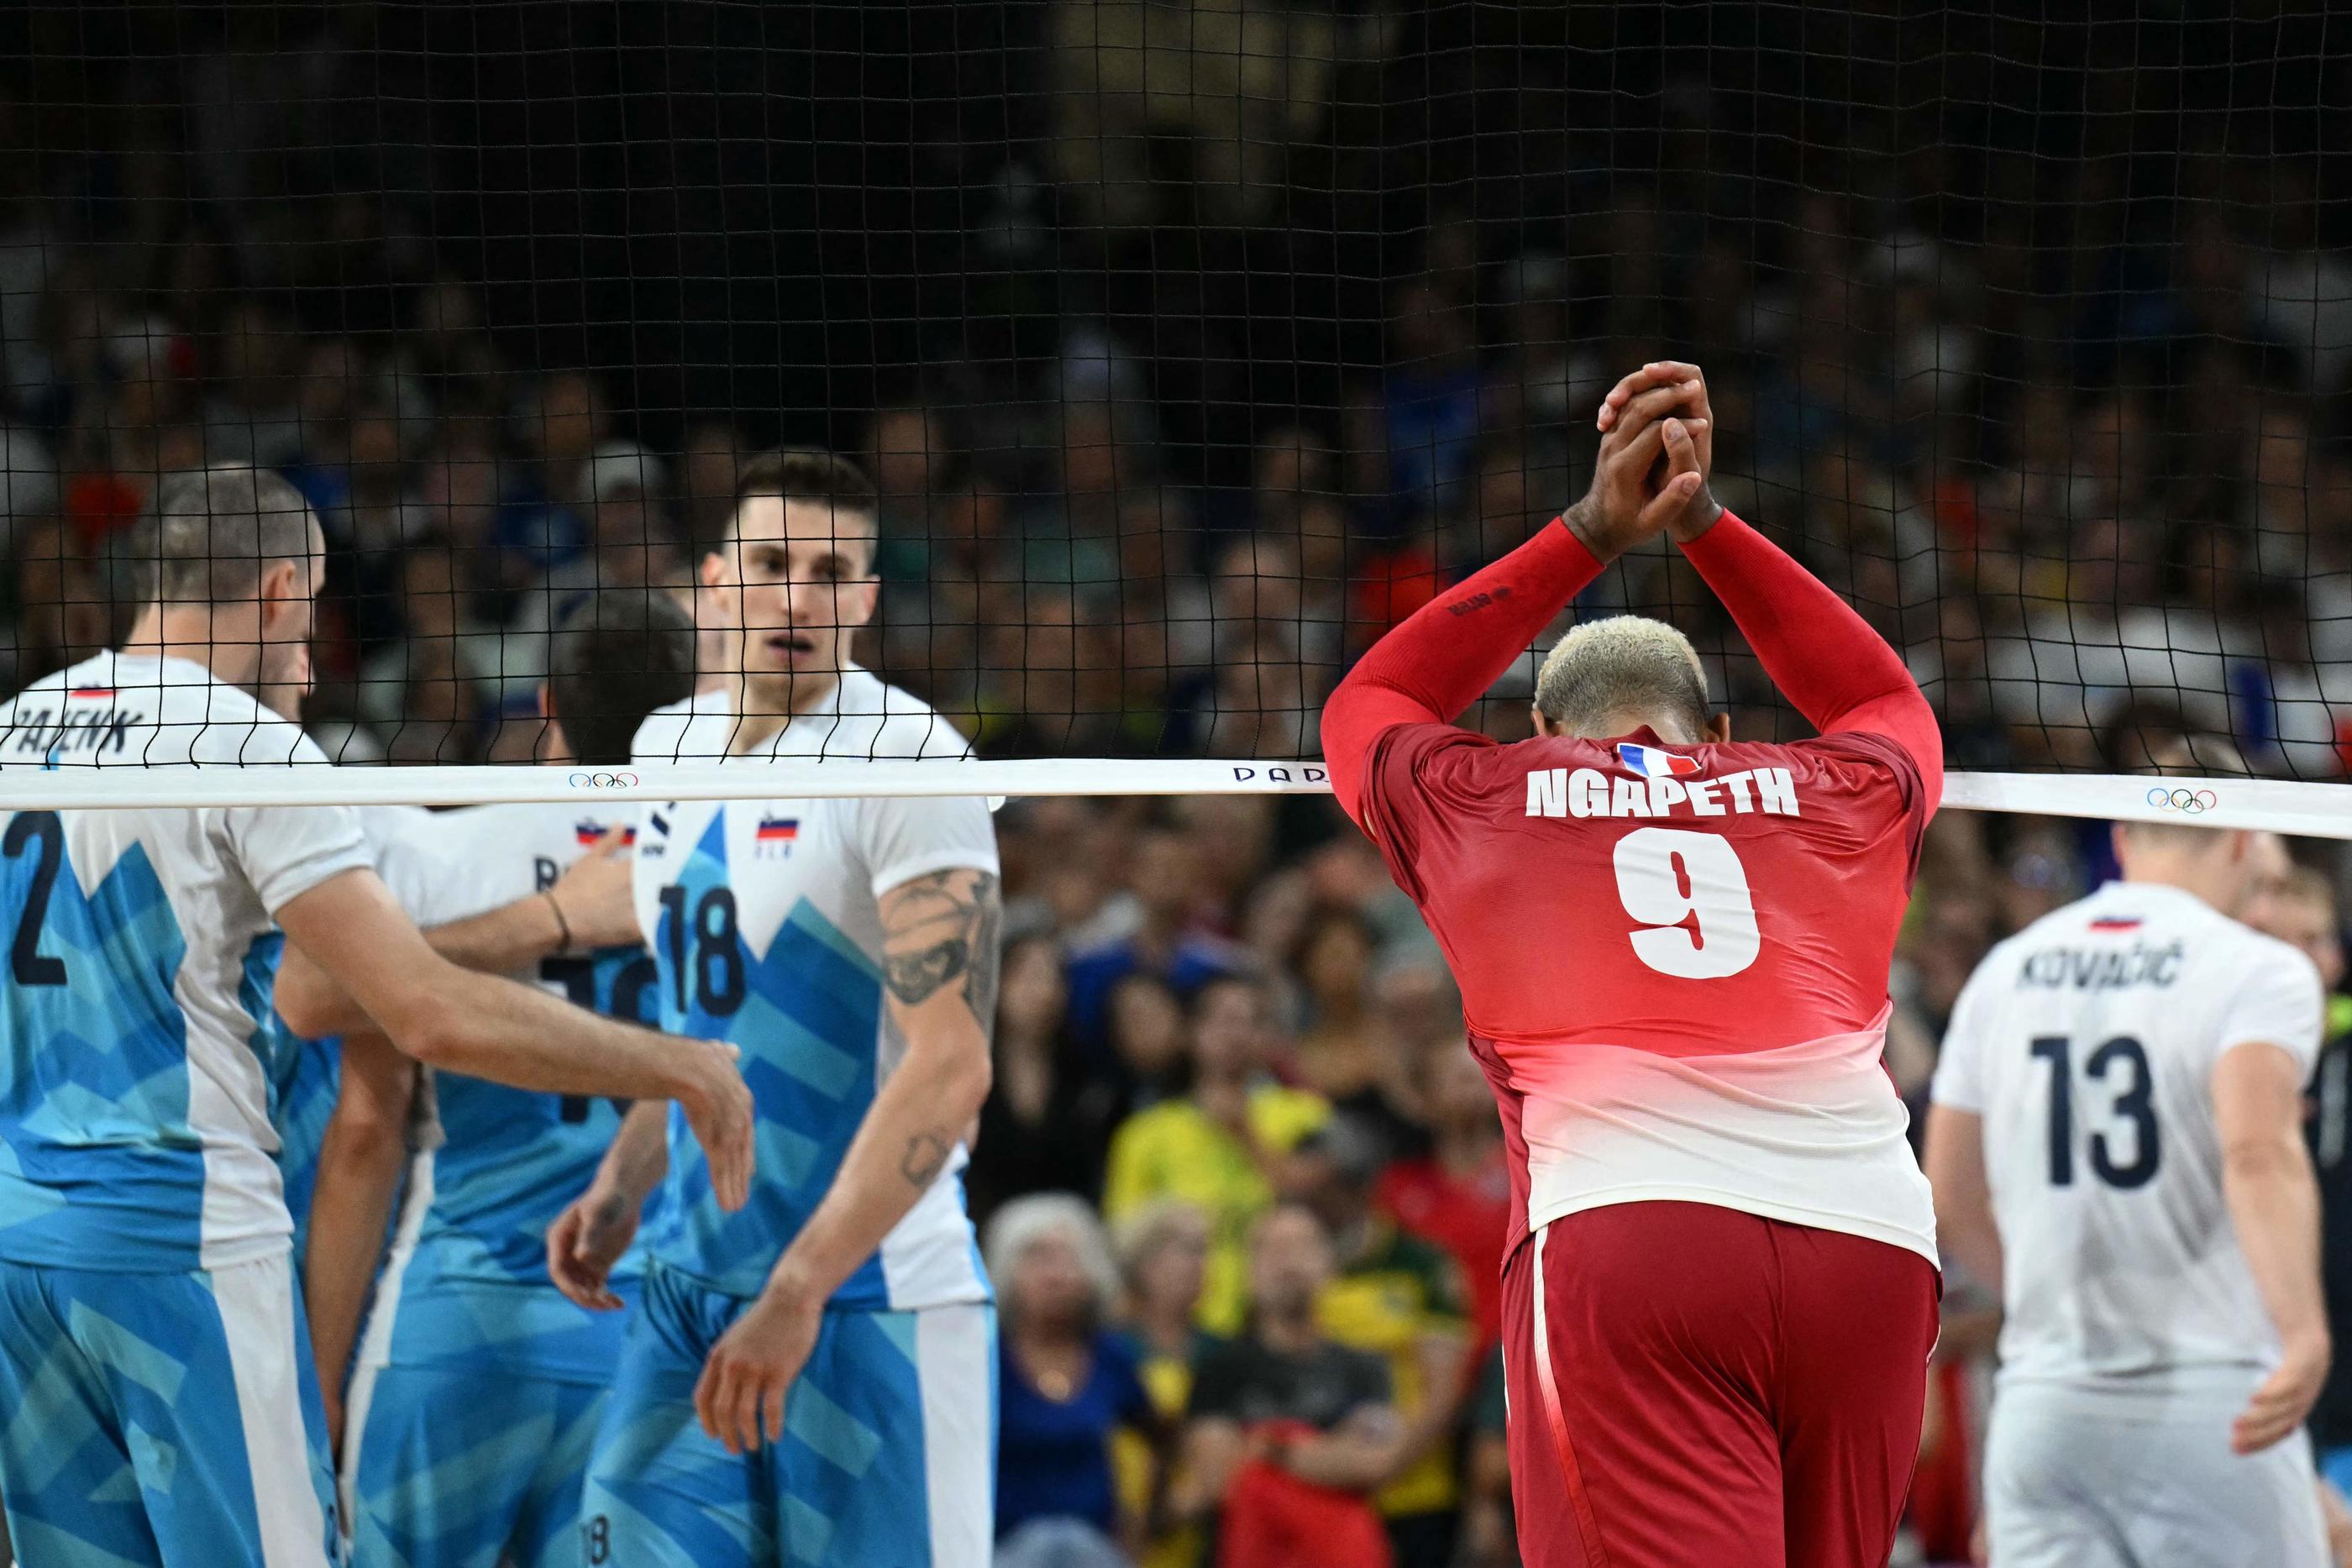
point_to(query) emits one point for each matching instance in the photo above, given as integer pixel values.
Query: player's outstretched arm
(2274, 1201)
(589, 907)
(1836, 671)
(939, 967)
(1446, 654)
(360, 1165)
(589, 1237)
(512, 1033)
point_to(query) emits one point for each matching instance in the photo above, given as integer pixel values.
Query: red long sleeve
(1825, 659)
(1450, 651)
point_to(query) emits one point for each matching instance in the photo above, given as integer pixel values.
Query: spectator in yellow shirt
(1399, 1298)
(1223, 1147)
(1163, 1250)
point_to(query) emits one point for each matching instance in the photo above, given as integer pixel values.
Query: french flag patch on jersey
(1651, 763)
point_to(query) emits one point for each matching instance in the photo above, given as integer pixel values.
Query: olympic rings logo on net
(604, 781)
(2189, 802)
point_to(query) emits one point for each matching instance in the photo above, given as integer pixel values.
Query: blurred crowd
(2070, 433)
(2065, 566)
(2076, 448)
(1239, 1168)
(1236, 1140)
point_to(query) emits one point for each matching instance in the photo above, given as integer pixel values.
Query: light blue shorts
(154, 1419)
(447, 1468)
(888, 1456)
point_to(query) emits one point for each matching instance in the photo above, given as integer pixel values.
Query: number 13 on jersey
(2121, 1101)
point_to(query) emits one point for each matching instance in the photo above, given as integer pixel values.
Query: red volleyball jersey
(1673, 961)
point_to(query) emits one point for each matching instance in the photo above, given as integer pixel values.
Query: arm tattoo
(926, 1155)
(940, 929)
(988, 952)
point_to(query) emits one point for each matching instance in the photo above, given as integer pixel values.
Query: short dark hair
(211, 532)
(619, 656)
(1196, 1003)
(811, 474)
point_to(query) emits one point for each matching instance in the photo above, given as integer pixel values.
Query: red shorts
(1712, 1390)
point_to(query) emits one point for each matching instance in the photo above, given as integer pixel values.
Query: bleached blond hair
(1604, 672)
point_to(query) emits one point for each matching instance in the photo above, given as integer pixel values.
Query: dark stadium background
(791, 209)
(2056, 302)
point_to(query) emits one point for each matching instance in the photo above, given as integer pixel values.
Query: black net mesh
(1192, 344)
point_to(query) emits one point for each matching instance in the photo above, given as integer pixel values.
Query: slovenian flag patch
(1651, 763)
(778, 829)
(587, 834)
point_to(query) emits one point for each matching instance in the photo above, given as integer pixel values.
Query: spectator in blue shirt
(1066, 1382)
(1164, 880)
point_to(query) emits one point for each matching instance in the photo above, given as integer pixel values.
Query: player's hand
(2280, 1405)
(717, 1106)
(1682, 460)
(598, 897)
(585, 1243)
(741, 1395)
(1636, 493)
(1699, 513)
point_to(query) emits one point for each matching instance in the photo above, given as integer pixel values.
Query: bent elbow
(434, 1034)
(2262, 1158)
(1335, 715)
(306, 1001)
(373, 1140)
(303, 1013)
(975, 1081)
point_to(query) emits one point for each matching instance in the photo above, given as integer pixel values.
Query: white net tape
(2304, 809)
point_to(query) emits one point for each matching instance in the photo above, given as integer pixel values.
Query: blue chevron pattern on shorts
(846, 1484)
(449, 1479)
(120, 1444)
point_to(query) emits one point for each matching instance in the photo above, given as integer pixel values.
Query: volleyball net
(1188, 348)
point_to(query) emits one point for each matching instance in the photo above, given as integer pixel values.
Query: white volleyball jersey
(2087, 1043)
(763, 917)
(138, 1062)
(466, 1285)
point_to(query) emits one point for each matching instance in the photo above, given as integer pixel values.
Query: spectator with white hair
(1068, 1382)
